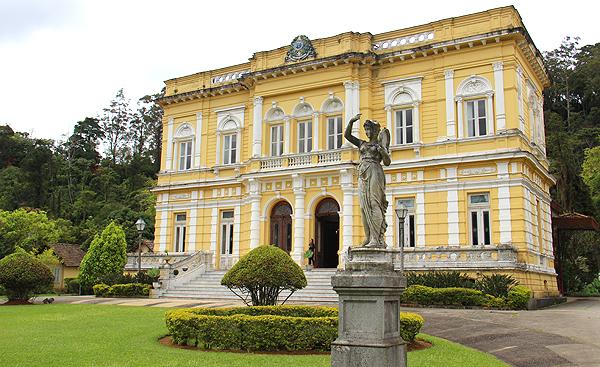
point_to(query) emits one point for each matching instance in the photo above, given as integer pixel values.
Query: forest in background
(68, 191)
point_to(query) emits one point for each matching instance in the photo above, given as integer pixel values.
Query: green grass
(96, 335)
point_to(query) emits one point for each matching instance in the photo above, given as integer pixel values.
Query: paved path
(566, 335)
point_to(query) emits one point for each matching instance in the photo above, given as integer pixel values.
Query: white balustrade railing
(299, 160)
(269, 163)
(329, 157)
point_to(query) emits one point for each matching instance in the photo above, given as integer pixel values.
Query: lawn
(96, 335)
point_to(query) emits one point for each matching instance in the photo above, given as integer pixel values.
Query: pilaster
(450, 123)
(499, 86)
(169, 160)
(453, 227)
(198, 145)
(504, 203)
(299, 195)
(257, 127)
(316, 127)
(254, 188)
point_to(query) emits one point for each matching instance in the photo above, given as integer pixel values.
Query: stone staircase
(207, 286)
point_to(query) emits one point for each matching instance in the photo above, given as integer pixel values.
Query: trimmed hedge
(517, 299)
(121, 290)
(266, 328)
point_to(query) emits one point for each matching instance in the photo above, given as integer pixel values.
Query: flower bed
(265, 328)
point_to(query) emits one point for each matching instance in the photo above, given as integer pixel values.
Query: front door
(281, 226)
(327, 234)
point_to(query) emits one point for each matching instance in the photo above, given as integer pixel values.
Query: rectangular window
(229, 148)
(276, 140)
(185, 155)
(56, 273)
(180, 230)
(304, 136)
(409, 222)
(334, 132)
(479, 219)
(404, 126)
(227, 233)
(476, 118)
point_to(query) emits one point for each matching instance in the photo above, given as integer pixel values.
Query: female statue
(371, 180)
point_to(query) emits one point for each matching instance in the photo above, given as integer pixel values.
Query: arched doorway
(281, 226)
(327, 233)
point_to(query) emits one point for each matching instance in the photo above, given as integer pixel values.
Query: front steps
(208, 286)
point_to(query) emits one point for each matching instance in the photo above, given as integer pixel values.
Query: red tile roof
(71, 255)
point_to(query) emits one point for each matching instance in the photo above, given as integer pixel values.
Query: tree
(22, 274)
(114, 123)
(28, 229)
(591, 174)
(262, 274)
(561, 64)
(105, 258)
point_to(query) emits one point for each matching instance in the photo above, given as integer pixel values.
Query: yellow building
(253, 153)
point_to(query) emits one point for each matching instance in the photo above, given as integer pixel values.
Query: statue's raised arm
(348, 133)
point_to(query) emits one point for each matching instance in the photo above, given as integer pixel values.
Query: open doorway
(327, 233)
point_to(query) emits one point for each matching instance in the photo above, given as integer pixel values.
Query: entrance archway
(281, 226)
(327, 233)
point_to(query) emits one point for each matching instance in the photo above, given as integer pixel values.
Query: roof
(576, 221)
(71, 255)
(147, 244)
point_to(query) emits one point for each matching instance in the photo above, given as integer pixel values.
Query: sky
(64, 60)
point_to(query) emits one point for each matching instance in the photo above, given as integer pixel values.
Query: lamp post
(140, 225)
(401, 212)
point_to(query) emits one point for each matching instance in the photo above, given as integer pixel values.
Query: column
(460, 123)
(504, 203)
(218, 149)
(528, 218)
(191, 245)
(254, 189)
(416, 123)
(198, 145)
(499, 86)
(236, 233)
(169, 160)
(420, 216)
(257, 127)
(299, 194)
(520, 98)
(347, 184)
(390, 218)
(164, 222)
(213, 235)
(453, 228)
(390, 124)
(355, 106)
(286, 135)
(450, 123)
(490, 119)
(316, 128)
(352, 105)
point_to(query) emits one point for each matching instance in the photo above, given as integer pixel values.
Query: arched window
(303, 115)
(184, 146)
(332, 108)
(278, 131)
(474, 106)
(402, 100)
(228, 136)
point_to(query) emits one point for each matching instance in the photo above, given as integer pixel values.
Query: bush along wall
(516, 298)
(266, 328)
(122, 290)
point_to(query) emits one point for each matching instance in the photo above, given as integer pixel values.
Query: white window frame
(230, 147)
(476, 118)
(230, 125)
(403, 94)
(401, 132)
(335, 139)
(473, 88)
(227, 233)
(410, 240)
(276, 140)
(305, 143)
(185, 155)
(479, 209)
(180, 232)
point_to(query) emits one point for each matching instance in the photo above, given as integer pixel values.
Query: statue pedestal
(369, 311)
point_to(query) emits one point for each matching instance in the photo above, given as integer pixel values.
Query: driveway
(563, 335)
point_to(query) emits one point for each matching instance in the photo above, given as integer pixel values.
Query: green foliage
(266, 327)
(48, 258)
(440, 279)
(121, 290)
(463, 297)
(496, 285)
(591, 289)
(518, 297)
(22, 275)
(153, 274)
(72, 285)
(262, 274)
(28, 229)
(106, 256)
(591, 174)
(410, 325)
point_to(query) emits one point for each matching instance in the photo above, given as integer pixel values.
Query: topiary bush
(122, 290)
(496, 285)
(106, 256)
(518, 297)
(262, 274)
(266, 328)
(22, 275)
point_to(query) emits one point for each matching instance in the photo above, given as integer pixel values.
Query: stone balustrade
(152, 260)
(303, 159)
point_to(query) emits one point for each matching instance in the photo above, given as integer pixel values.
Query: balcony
(301, 160)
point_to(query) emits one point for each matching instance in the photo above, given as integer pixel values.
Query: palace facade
(254, 153)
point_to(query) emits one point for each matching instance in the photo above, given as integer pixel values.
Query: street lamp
(140, 225)
(401, 212)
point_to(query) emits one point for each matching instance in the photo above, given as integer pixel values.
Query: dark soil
(168, 341)
(16, 303)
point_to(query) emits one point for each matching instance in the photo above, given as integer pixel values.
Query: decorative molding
(403, 41)
(300, 49)
(477, 171)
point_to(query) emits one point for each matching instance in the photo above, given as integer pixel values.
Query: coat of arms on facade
(300, 49)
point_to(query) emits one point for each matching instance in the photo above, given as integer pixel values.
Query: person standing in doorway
(311, 248)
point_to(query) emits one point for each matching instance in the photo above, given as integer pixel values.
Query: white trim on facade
(214, 224)
(498, 68)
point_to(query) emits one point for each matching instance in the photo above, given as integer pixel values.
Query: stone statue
(371, 180)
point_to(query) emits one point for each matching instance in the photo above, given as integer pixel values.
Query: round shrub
(518, 297)
(262, 274)
(22, 275)
(410, 325)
